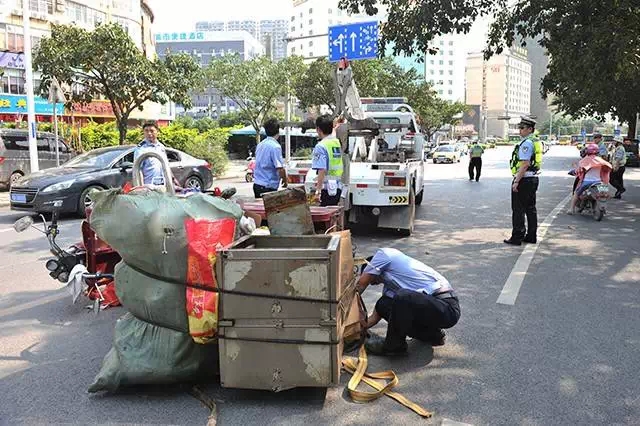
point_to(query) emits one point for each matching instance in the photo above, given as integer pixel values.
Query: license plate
(19, 198)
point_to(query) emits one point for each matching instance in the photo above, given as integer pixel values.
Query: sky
(183, 14)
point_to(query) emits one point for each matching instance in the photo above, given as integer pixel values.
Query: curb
(5, 204)
(228, 178)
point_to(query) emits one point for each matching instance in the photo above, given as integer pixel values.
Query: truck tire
(419, 198)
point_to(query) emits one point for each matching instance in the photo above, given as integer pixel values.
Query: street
(561, 347)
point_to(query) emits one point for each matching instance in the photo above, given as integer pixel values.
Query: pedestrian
(416, 302)
(269, 165)
(618, 160)
(475, 160)
(602, 147)
(152, 169)
(327, 162)
(526, 161)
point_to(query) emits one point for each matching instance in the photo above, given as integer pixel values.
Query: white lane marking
(28, 305)
(7, 230)
(511, 288)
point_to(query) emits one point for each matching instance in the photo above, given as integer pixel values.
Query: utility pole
(483, 115)
(28, 85)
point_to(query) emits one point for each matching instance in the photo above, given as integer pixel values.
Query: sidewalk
(4, 198)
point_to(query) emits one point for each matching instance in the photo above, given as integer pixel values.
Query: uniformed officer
(526, 161)
(416, 301)
(619, 161)
(327, 162)
(475, 160)
(151, 167)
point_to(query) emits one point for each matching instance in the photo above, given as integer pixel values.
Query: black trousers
(259, 190)
(475, 164)
(617, 179)
(416, 315)
(523, 203)
(329, 200)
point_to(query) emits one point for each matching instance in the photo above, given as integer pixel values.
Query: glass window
(43, 144)
(310, 10)
(311, 43)
(330, 11)
(310, 21)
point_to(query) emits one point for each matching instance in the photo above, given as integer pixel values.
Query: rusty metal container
(290, 338)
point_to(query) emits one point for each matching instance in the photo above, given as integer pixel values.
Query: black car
(633, 156)
(101, 168)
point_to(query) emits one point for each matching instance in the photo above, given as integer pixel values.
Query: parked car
(633, 157)
(446, 154)
(101, 168)
(14, 153)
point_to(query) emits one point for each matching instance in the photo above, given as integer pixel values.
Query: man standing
(475, 160)
(619, 160)
(269, 171)
(416, 301)
(327, 162)
(151, 167)
(602, 147)
(526, 161)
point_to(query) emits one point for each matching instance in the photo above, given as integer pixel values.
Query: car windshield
(446, 148)
(98, 159)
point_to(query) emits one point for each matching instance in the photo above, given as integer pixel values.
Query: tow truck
(384, 167)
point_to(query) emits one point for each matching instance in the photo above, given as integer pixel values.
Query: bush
(212, 147)
(94, 135)
(303, 153)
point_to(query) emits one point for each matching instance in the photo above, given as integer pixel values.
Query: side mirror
(126, 166)
(23, 224)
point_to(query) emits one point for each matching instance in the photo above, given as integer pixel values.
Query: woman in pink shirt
(591, 169)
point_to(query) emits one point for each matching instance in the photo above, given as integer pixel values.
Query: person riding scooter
(590, 170)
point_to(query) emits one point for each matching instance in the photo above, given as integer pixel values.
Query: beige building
(507, 92)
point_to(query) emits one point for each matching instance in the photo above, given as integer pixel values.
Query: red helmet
(592, 149)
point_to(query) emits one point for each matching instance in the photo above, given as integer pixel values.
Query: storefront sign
(93, 109)
(17, 104)
(183, 36)
(12, 60)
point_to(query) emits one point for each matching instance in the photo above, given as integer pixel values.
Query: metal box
(290, 338)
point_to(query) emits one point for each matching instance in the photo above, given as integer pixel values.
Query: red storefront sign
(93, 109)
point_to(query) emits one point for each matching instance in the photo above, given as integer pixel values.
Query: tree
(434, 112)
(106, 63)
(593, 44)
(256, 84)
(594, 50)
(315, 87)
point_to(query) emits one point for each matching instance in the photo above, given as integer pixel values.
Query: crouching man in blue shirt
(416, 301)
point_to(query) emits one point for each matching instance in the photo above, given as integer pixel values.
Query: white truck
(384, 181)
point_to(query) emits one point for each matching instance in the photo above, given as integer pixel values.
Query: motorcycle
(248, 177)
(594, 200)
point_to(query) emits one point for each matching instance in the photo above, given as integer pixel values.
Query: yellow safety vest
(476, 151)
(334, 149)
(536, 158)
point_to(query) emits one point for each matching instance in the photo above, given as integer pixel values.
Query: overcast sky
(183, 14)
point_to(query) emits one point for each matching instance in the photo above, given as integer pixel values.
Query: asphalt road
(565, 352)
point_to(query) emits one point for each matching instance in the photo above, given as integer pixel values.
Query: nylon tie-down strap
(359, 367)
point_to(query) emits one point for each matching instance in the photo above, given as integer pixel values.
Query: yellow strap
(358, 369)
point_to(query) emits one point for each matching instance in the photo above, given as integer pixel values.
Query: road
(560, 349)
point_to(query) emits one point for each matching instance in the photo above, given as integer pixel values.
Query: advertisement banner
(17, 104)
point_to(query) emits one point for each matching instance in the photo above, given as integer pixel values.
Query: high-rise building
(446, 69)
(204, 47)
(271, 32)
(539, 62)
(507, 92)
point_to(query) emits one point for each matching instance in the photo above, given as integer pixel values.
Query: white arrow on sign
(353, 41)
(338, 42)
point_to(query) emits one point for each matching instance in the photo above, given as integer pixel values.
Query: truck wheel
(419, 198)
(412, 214)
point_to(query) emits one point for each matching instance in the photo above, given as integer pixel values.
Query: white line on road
(514, 282)
(6, 230)
(28, 305)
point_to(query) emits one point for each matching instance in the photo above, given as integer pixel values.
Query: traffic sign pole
(28, 67)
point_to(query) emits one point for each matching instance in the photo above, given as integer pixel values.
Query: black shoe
(617, 196)
(478, 180)
(529, 240)
(513, 242)
(378, 346)
(434, 340)
(471, 179)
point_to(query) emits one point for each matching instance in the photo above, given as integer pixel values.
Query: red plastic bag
(204, 237)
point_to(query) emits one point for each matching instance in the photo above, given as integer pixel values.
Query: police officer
(327, 162)
(475, 160)
(526, 161)
(619, 161)
(416, 301)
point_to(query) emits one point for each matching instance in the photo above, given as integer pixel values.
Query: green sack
(147, 227)
(152, 300)
(145, 354)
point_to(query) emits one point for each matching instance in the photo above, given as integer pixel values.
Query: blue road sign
(583, 133)
(616, 132)
(353, 41)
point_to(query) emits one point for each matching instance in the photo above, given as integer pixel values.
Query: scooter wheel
(248, 177)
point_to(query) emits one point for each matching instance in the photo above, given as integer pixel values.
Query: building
(508, 89)
(446, 69)
(539, 62)
(205, 46)
(311, 19)
(271, 33)
(135, 16)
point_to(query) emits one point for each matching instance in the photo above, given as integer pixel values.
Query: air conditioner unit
(60, 6)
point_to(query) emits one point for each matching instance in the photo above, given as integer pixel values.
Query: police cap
(527, 121)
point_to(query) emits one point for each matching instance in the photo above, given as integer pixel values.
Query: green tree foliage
(593, 44)
(106, 63)
(255, 85)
